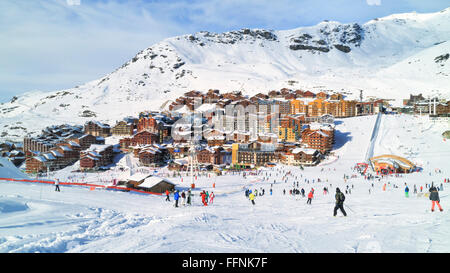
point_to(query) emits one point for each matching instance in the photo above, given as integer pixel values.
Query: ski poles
(349, 208)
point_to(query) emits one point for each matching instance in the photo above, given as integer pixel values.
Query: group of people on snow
(187, 196)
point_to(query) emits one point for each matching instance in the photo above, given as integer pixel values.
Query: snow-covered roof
(90, 157)
(40, 158)
(152, 150)
(99, 124)
(215, 138)
(136, 177)
(321, 126)
(56, 153)
(98, 147)
(83, 136)
(49, 156)
(65, 148)
(152, 181)
(320, 133)
(72, 143)
(305, 150)
(94, 153)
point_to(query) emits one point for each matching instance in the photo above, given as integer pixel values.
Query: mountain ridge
(387, 57)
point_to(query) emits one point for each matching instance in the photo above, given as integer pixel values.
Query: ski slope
(35, 218)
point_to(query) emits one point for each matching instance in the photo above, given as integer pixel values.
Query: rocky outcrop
(232, 37)
(330, 35)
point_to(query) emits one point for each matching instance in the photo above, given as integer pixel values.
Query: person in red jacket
(167, 195)
(211, 197)
(310, 197)
(203, 195)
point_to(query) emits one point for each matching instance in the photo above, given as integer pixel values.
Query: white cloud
(73, 2)
(49, 45)
(373, 2)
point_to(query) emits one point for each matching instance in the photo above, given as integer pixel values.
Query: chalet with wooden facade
(319, 137)
(96, 128)
(96, 156)
(141, 138)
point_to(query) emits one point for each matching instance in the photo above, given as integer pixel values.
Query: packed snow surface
(35, 218)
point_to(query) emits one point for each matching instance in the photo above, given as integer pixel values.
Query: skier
(303, 192)
(203, 195)
(211, 197)
(183, 198)
(189, 197)
(176, 196)
(207, 197)
(407, 191)
(252, 198)
(310, 197)
(167, 195)
(340, 198)
(57, 185)
(270, 191)
(415, 189)
(434, 197)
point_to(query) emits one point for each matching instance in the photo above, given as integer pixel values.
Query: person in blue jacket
(407, 191)
(176, 196)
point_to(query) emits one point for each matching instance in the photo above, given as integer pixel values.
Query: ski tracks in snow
(98, 224)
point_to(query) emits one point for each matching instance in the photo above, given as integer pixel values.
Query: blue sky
(55, 44)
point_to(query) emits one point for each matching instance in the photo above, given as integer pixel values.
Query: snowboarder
(340, 198)
(434, 197)
(57, 185)
(176, 196)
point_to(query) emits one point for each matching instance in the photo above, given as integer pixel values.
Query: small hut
(156, 184)
(147, 182)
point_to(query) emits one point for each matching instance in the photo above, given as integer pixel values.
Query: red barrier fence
(79, 184)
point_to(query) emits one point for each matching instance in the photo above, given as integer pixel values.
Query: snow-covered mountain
(388, 57)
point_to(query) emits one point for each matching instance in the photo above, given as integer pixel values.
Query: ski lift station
(385, 164)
